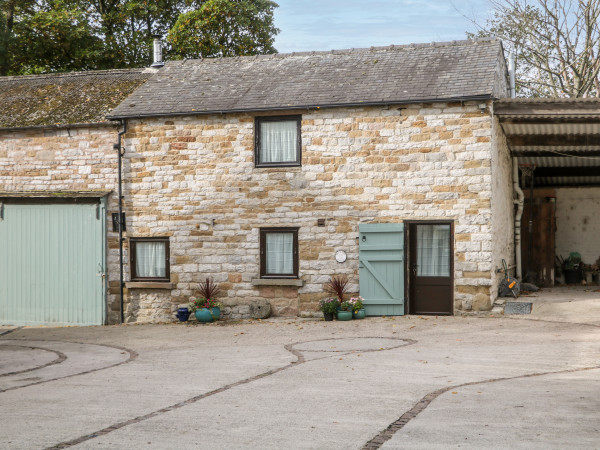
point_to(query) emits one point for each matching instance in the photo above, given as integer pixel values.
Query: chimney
(511, 74)
(158, 58)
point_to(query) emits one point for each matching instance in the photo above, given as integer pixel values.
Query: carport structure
(556, 145)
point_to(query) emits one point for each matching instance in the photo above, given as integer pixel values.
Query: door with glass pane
(431, 268)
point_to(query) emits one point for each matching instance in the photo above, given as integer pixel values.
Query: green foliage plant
(329, 305)
(356, 303)
(225, 28)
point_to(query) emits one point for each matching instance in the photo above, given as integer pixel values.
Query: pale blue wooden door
(52, 263)
(381, 268)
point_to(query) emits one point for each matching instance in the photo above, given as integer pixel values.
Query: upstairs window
(149, 259)
(278, 141)
(279, 252)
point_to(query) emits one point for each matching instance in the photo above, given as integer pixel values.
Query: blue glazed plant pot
(360, 314)
(183, 314)
(203, 315)
(216, 312)
(344, 315)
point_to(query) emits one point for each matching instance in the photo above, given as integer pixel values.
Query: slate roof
(66, 98)
(379, 75)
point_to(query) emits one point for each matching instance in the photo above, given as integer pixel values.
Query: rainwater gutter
(520, 200)
(118, 147)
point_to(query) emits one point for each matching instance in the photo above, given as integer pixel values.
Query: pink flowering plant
(200, 303)
(356, 303)
(329, 305)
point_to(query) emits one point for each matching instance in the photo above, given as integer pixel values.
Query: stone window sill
(148, 285)
(277, 282)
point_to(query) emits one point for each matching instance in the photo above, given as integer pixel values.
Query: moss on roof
(65, 99)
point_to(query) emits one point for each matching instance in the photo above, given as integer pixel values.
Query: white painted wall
(578, 222)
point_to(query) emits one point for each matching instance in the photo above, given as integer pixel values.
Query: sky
(339, 24)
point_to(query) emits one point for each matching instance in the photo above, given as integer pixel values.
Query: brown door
(540, 243)
(431, 268)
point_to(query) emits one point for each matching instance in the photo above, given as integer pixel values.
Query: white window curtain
(280, 253)
(278, 141)
(433, 250)
(150, 259)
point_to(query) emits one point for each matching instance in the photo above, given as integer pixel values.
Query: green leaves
(38, 36)
(225, 28)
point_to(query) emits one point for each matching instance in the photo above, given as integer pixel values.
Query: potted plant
(338, 285)
(358, 310)
(345, 311)
(200, 310)
(329, 307)
(208, 290)
(571, 268)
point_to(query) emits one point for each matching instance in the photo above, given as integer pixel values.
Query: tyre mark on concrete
(132, 356)
(290, 348)
(60, 358)
(383, 436)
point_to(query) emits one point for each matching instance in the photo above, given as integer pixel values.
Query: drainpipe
(519, 201)
(120, 153)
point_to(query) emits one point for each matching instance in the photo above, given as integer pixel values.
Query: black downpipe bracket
(120, 178)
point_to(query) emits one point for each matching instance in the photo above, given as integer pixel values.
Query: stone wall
(503, 208)
(66, 159)
(193, 179)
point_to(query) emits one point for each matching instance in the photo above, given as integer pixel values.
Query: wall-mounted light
(482, 107)
(115, 222)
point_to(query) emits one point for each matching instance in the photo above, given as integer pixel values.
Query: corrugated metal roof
(561, 137)
(567, 181)
(551, 128)
(558, 161)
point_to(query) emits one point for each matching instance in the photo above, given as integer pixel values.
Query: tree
(39, 36)
(225, 28)
(556, 44)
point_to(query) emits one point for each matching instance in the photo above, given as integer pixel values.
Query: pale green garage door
(52, 264)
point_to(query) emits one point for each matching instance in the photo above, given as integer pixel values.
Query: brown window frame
(132, 260)
(257, 143)
(263, 253)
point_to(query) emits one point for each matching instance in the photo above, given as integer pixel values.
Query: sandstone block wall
(193, 179)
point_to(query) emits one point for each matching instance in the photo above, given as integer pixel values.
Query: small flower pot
(344, 315)
(183, 314)
(204, 315)
(328, 317)
(360, 314)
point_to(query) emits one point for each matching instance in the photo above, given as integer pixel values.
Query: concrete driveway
(405, 382)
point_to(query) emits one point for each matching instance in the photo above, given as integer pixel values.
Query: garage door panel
(49, 271)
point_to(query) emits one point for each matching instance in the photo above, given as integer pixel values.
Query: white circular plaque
(340, 256)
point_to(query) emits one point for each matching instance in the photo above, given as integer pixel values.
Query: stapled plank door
(381, 268)
(52, 264)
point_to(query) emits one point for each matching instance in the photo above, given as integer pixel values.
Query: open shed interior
(556, 144)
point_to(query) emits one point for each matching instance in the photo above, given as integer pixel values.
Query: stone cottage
(58, 177)
(273, 173)
(269, 174)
